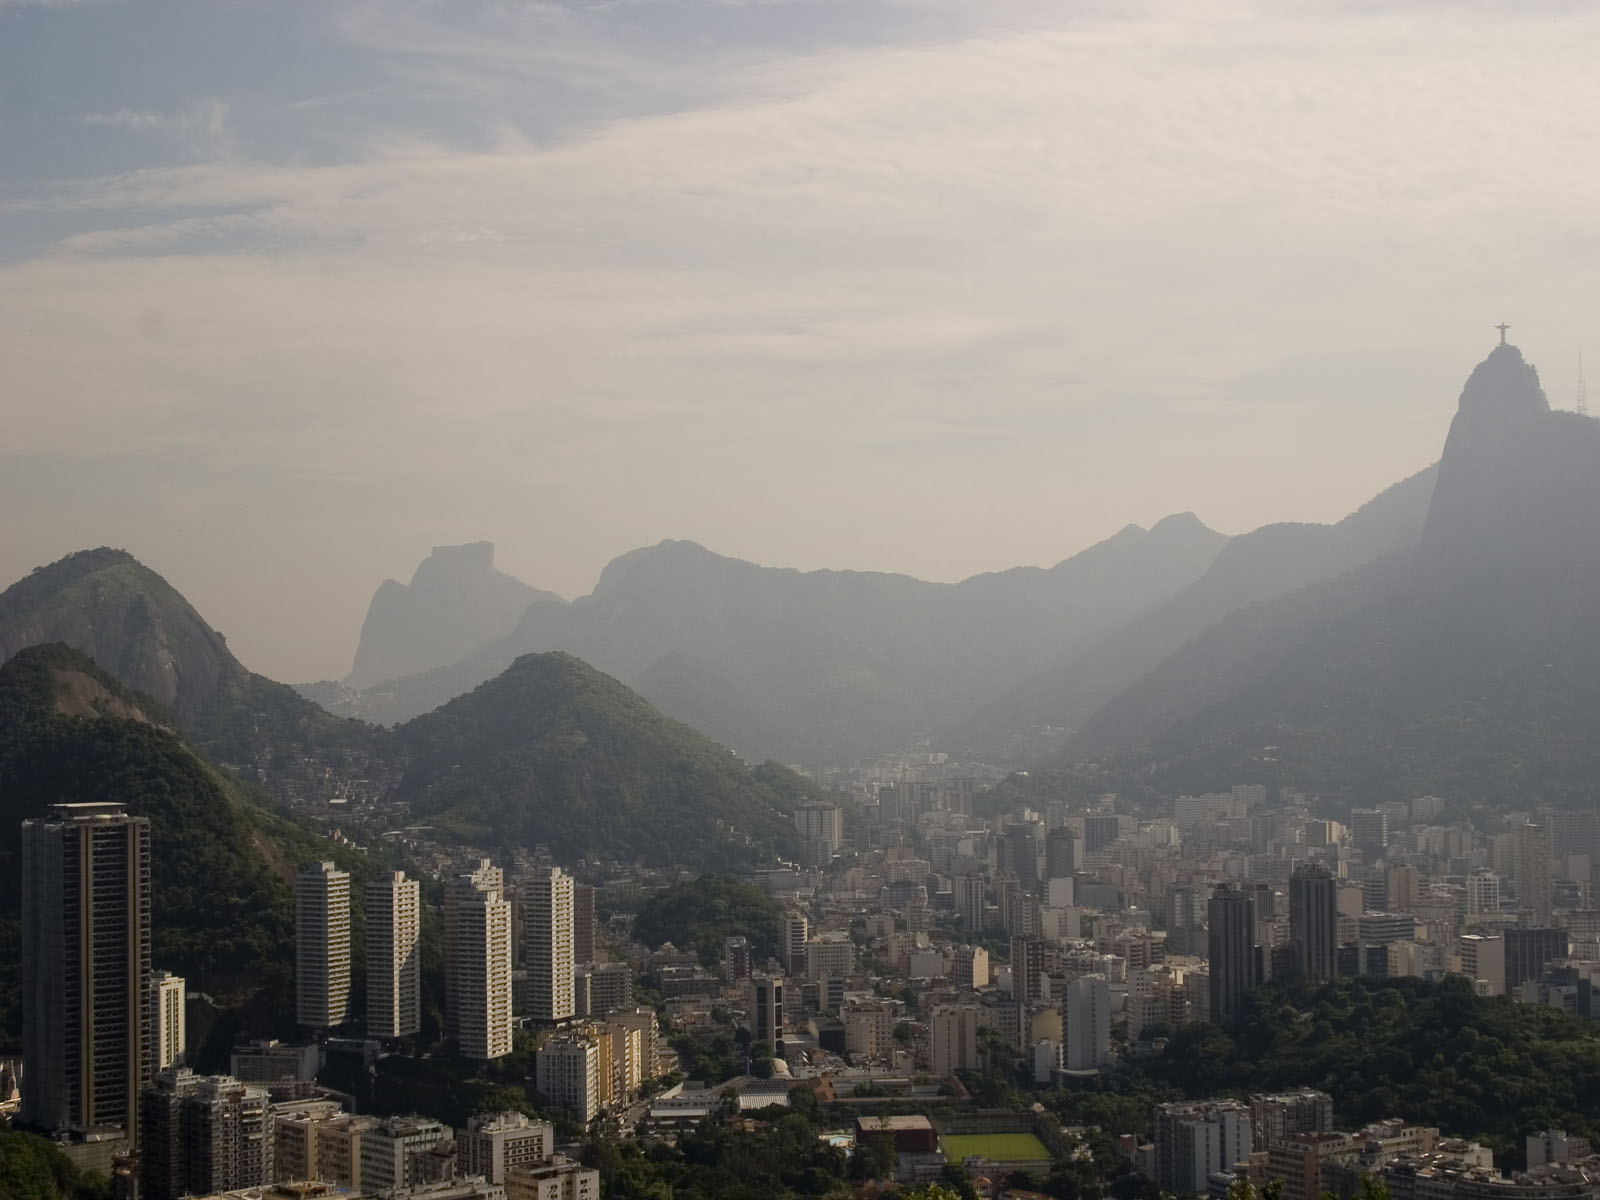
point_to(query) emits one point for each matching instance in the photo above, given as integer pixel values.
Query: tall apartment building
(796, 928)
(766, 1011)
(1235, 966)
(868, 1027)
(493, 1143)
(830, 957)
(1369, 830)
(1277, 1115)
(1086, 1024)
(1483, 894)
(1018, 852)
(972, 902)
(322, 946)
(171, 1028)
(567, 1072)
(392, 1151)
(954, 1038)
(1483, 959)
(1028, 980)
(483, 877)
(1314, 922)
(1535, 884)
(203, 1134)
(479, 935)
(394, 957)
(1099, 831)
(1195, 1140)
(970, 967)
(296, 1126)
(1060, 853)
(1529, 950)
(583, 947)
(821, 826)
(87, 1009)
(736, 960)
(599, 989)
(547, 952)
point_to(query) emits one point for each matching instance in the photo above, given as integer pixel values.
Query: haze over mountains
(454, 603)
(1441, 636)
(823, 667)
(1467, 665)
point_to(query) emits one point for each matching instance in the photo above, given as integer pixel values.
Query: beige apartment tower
(322, 946)
(171, 1025)
(547, 946)
(483, 875)
(394, 957)
(478, 928)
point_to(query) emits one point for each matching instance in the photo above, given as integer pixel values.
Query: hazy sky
(292, 292)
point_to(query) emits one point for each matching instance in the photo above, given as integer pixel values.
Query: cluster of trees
(783, 1157)
(32, 1168)
(701, 915)
(1432, 1052)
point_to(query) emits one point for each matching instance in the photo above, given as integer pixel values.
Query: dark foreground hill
(139, 629)
(551, 753)
(222, 860)
(1467, 667)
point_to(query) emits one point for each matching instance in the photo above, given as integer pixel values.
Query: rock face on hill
(129, 620)
(456, 602)
(1467, 666)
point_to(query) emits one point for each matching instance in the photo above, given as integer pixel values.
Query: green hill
(550, 752)
(553, 751)
(222, 905)
(139, 629)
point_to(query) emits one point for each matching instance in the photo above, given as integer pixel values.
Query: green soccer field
(996, 1147)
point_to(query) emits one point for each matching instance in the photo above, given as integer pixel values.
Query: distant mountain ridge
(456, 602)
(1467, 665)
(822, 666)
(1268, 562)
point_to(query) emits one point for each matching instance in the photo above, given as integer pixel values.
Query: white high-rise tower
(322, 946)
(479, 985)
(394, 957)
(547, 944)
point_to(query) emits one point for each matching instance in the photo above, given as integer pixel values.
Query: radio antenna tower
(1583, 388)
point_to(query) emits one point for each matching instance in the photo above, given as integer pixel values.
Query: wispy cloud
(202, 127)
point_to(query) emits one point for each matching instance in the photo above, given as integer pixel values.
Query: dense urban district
(1331, 931)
